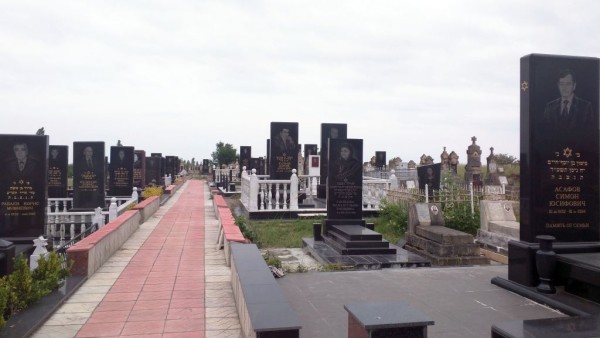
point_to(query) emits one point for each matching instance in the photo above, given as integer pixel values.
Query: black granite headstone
(254, 164)
(262, 166)
(283, 154)
(559, 148)
(88, 175)
(139, 169)
(58, 162)
(23, 185)
(153, 170)
(245, 157)
(171, 165)
(380, 158)
(161, 168)
(268, 159)
(328, 131)
(430, 175)
(344, 184)
(205, 165)
(121, 171)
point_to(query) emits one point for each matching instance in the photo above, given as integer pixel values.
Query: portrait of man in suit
(284, 142)
(568, 111)
(88, 161)
(23, 166)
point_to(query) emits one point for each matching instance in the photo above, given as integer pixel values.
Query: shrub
(152, 191)
(392, 221)
(47, 275)
(457, 215)
(272, 260)
(4, 292)
(20, 286)
(23, 287)
(246, 230)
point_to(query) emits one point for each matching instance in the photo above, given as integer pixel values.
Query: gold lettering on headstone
(568, 174)
(19, 199)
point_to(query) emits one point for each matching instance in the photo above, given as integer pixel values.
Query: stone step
(358, 244)
(357, 251)
(507, 228)
(356, 233)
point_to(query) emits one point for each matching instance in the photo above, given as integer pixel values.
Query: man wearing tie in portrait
(568, 111)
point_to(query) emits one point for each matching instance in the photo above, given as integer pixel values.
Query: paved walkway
(167, 280)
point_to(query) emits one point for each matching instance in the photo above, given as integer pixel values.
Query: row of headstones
(32, 171)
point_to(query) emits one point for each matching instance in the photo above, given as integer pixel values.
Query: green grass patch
(288, 233)
(280, 233)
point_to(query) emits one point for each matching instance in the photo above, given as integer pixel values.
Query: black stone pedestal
(386, 320)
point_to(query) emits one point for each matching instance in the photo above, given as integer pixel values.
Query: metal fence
(449, 195)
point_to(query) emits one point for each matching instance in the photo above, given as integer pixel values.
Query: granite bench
(263, 309)
(394, 319)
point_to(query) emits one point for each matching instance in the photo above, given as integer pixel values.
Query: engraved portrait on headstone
(344, 183)
(560, 142)
(88, 175)
(23, 185)
(284, 149)
(57, 171)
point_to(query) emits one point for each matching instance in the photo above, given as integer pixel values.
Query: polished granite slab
(326, 255)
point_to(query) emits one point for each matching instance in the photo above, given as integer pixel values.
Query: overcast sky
(176, 77)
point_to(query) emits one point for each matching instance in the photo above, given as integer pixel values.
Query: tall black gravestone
(268, 159)
(121, 171)
(559, 158)
(205, 165)
(254, 164)
(328, 131)
(160, 166)
(344, 184)
(58, 162)
(139, 169)
(153, 170)
(262, 166)
(429, 175)
(23, 186)
(245, 157)
(283, 155)
(171, 165)
(380, 159)
(88, 175)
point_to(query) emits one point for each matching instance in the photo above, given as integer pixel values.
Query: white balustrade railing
(59, 218)
(229, 175)
(259, 192)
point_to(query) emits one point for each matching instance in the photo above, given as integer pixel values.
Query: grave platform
(327, 255)
(357, 240)
(444, 246)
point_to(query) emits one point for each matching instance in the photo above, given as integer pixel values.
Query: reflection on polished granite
(326, 255)
(562, 327)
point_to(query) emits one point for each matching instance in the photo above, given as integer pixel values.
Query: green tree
(224, 154)
(505, 159)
